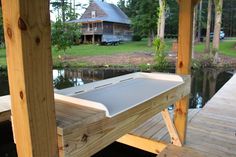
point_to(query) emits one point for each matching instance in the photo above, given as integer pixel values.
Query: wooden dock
(211, 130)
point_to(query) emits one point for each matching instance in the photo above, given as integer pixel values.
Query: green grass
(227, 47)
(2, 57)
(94, 50)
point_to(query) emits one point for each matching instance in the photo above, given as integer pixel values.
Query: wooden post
(93, 37)
(28, 46)
(85, 40)
(183, 66)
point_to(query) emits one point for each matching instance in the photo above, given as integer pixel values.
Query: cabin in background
(104, 23)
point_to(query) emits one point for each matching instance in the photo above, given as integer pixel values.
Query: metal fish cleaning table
(92, 116)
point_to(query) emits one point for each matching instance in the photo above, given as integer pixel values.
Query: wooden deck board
(211, 130)
(83, 131)
(175, 151)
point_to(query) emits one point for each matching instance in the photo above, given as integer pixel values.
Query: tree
(207, 46)
(64, 33)
(171, 22)
(161, 19)
(217, 28)
(194, 29)
(143, 16)
(199, 21)
(1, 29)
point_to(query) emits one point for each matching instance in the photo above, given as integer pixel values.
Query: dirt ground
(135, 59)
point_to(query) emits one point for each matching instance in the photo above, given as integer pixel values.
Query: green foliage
(136, 38)
(64, 34)
(1, 30)
(145, 67)
(61, 82)
(160, 58)
(207, 61)
(171, 22)
(227, 47)
(142, 14)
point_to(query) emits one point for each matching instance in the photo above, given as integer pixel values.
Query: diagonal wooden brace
(171, 128)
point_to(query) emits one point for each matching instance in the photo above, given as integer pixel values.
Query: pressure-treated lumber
(175, 151)
(84, 130)
(171, 128)
(85, 140)
(184, 62)
(27, 36)
(142, 143)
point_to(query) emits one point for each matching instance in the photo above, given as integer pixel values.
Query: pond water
(204, 85)
(204, 82)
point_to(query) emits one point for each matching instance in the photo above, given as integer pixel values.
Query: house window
(93, 14)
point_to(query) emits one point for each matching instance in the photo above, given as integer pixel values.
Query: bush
(64, 34)
(161, 63)
(136, 38)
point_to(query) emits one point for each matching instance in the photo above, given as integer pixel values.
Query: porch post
(183, 66)
(29, 61)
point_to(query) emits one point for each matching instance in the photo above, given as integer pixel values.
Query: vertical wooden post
(183, 66)
(93, 37)
(28, 44)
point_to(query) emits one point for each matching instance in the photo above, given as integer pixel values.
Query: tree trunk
(194, 29)
(161, 19)
(63, 10)
(149, 38)
(199, 21)
(218, 16)
(207, 46)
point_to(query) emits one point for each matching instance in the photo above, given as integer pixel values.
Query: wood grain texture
(28, 46)
(85, 140)
(211, 130)
(183, 66)
(83, 131)
(148, 145)
(171, 128)
(175, 151)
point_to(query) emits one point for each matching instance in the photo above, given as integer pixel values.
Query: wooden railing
(95, 30)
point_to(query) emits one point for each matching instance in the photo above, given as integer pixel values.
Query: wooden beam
(28, 46)
(171, 128)
(173, 151)
(142, 143)
(183, 66)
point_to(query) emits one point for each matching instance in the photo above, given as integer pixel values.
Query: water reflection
(204, 82)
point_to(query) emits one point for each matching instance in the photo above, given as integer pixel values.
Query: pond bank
(140, 60)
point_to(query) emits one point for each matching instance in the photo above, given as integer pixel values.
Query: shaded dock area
(211, 130)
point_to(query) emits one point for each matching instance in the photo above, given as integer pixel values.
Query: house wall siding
(93, 7)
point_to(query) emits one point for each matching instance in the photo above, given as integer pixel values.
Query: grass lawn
(93, 50)
(2, 57)
(227, 47)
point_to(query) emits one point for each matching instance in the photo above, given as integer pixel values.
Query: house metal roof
(113, 14)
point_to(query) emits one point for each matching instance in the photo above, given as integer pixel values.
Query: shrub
(136, 38)
(161, 63)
